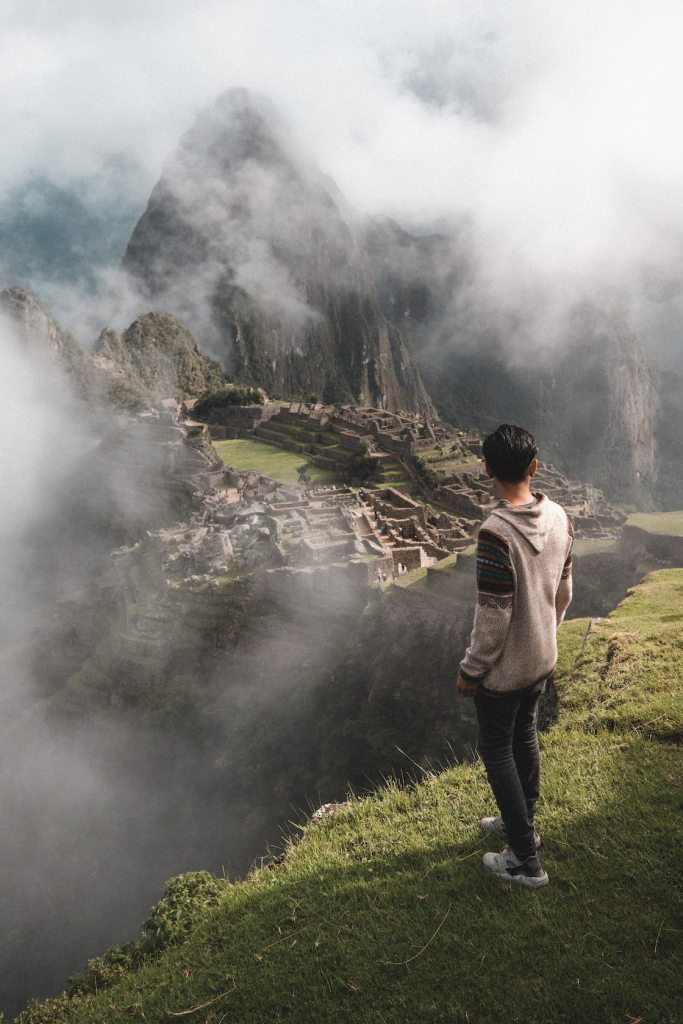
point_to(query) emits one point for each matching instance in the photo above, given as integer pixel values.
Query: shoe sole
(528, 881)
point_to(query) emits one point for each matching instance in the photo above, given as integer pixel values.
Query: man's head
(510, 454)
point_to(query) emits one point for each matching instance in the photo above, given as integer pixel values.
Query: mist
(539, 140)
(546, 133)
(99, 804)
(127, 759)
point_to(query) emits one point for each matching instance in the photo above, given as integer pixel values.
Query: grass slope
(383, 914)
(670, 523)
(594, 545)
(261, 457)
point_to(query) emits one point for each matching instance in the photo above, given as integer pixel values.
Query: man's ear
(488, 470)
(533, 467)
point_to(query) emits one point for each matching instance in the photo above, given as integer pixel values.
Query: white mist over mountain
(545, 132)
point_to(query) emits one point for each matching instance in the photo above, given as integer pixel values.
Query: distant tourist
(524, 587)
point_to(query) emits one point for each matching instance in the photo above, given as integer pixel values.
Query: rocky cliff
(156, 357)
(591, 394)
(40, 333)
(260, 255)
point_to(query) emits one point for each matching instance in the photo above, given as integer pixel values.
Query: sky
(548, 131)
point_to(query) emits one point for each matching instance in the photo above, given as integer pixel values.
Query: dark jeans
(508, 745)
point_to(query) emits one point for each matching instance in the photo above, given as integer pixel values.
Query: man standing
(524, 587)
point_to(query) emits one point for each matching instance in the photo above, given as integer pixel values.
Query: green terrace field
(658, 522)
(448, 462)
(594, 546)
(246, 455)
(383, 914)
(302, 444)
(393, 474)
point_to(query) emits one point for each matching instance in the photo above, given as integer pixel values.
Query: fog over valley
(268, 274)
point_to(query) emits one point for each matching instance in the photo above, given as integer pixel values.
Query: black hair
(509, 452)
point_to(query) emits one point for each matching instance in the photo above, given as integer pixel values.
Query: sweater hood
(533, 524)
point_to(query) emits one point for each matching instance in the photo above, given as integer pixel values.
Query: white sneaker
(496, 827)
(508, 866)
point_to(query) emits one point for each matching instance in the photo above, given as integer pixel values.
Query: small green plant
(361, 468)
(185, 899)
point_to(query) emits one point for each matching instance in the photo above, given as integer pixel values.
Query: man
(524, 587)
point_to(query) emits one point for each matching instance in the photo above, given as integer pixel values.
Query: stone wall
(460, 502)
(411, 557)
(231, 421)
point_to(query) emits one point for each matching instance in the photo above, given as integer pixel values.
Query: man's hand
(466, 689)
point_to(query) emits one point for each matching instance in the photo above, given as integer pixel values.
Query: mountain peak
(240, 125)
(247, 243)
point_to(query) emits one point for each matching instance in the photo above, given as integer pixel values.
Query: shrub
(361, 468)
(186, 898)
(232, 395)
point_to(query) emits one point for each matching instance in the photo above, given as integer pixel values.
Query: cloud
(546, 131)
(100, 806)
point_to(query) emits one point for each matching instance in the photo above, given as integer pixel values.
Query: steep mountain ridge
(594, 405)
(41, 334)
(156, 357)
(592, 395)
(297, 294)
(160, 355)
(256, 252)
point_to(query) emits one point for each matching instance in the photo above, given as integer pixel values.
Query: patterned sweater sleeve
(563, 594)
(495, 592)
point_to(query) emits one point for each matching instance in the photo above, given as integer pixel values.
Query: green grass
(412, 578)
(658, 522)
(594, 546)
(445, 564)
(383, 914)
(631, 666)
(260, 457)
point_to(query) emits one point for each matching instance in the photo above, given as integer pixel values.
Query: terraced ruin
(426, 491)
(250, 557)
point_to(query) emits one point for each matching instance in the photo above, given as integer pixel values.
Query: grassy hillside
(246, 455)
(382, 913)
(670, 523)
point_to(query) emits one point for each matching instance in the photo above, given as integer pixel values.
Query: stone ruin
(470, 493)
(235, 421)
(448, 463)
(414, 532)
(245, 521)
(403, 434)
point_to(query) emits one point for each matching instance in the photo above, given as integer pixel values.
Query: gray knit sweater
(524, 587)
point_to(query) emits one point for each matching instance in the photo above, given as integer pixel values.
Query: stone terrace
(470, 493)
(418, 454)
(247, 521)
